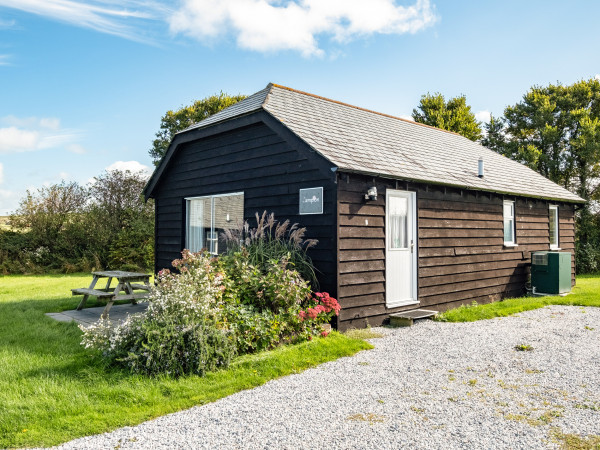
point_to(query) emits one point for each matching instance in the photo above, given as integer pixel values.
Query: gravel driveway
(435, 385)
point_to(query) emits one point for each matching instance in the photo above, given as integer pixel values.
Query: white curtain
(195, 231)
(398, 222)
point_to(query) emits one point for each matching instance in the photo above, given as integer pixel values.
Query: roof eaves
(461, 186)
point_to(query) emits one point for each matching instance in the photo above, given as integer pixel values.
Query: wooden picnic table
(123, 291)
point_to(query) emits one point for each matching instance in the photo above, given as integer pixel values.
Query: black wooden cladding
(255, 160)
(461, 255)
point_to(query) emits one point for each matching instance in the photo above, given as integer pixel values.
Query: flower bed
(213, 309)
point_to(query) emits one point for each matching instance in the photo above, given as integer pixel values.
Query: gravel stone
(434, 385)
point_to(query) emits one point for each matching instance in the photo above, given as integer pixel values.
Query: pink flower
(312, 312)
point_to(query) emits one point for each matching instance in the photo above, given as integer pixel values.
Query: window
(398, 222)
(509, 223)
(553, 212)
(208, 217)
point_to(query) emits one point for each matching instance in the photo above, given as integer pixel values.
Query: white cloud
(1, 173)
(13, 139)
(260, 25)
(132, 166)
(7, 23)
(483, 116)
(410, 118)
(4, 60)
(271, 25)
(51, 123)
(597, 77)
(31, 133)
(31, 122)
(125, 18)
(77, 149)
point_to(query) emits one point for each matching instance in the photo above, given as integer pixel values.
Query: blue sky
(83, 84)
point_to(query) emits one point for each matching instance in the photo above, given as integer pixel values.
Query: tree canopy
(555, 130)
(175, 121)
(453, 115)
(69, 227)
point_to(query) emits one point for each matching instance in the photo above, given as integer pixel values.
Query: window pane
(398, 222)
(554, 227)
(198, 223)
(229, 214)
(508, 230)
(509, 222)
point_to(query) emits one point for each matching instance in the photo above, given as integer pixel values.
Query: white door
(401, 248)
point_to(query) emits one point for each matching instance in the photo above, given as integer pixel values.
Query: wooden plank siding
(461, 256)
(255, 160)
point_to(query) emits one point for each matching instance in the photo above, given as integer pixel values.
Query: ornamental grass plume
(274, 240)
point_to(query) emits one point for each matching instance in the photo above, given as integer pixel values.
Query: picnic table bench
(123, 291)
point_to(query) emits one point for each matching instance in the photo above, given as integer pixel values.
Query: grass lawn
(51, 390)
(586, 293)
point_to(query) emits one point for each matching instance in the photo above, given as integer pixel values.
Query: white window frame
(513, 242)
(212, 250)
(553, 213)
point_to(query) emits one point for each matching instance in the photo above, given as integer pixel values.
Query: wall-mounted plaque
(311, 201)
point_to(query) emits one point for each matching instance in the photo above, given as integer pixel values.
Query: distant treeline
(67, 227)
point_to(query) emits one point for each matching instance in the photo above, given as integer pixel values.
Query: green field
(585, 293)
(52, 390)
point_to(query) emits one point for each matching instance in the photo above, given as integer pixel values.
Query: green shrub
(274, 240)
(262, 307)
(276, 287)
(213, 309)
(67, 227)
(587, 257)
(256, 330)
(181, 331)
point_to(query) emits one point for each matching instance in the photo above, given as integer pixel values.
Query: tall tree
(454, 115)
(175, 121)
(494, 138)
(555, 130)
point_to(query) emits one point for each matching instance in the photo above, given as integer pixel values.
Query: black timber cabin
(403, 216)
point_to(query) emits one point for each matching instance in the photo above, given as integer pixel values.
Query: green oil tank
(551, 272)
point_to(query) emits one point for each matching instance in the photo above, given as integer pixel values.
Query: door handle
(412, 246)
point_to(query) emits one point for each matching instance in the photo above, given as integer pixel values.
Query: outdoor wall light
(371, 194)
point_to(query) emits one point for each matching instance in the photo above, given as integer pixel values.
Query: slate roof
(358, 140)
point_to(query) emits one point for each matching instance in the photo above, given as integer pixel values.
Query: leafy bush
(320, 309)
(67, 227)
(276, 287)
(274, 240)
(587, 258)
(256, 330)
(213, 309)
(180, 332)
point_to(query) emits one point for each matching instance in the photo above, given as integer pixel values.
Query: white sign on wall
(311, 201)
